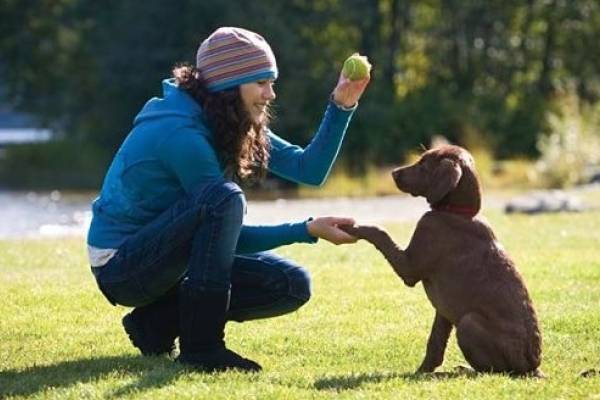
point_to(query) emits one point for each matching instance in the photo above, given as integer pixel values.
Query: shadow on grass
(353, 381)
(150, 373)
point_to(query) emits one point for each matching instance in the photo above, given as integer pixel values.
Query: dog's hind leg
(489, 350)
(480, 345)
(436, 345)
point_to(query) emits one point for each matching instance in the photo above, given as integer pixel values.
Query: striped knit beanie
(232, 56)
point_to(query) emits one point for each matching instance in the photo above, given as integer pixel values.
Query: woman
(167, 235)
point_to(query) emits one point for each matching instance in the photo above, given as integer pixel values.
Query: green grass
(361, 335)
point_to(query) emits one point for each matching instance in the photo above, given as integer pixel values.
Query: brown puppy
(468, 277)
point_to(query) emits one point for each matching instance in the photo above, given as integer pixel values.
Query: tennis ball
(356, 67)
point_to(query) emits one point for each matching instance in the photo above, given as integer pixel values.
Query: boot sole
(209, 366)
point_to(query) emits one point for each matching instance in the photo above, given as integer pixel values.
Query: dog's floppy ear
(445, 178)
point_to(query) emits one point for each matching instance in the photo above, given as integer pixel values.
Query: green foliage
(63, 164)
(361, 336)
(571, 147)
(439, 67)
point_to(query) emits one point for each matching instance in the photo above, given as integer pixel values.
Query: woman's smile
(256, 97)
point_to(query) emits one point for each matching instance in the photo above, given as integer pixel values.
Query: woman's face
(256, 97)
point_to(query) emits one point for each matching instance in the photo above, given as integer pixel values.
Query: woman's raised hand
(328, 228)
(348, 92)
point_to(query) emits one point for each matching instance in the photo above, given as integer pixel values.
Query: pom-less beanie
(232, 56)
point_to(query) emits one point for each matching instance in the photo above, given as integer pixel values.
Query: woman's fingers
(327, 228)
(348, 92)
(343, 237)
(341, 220)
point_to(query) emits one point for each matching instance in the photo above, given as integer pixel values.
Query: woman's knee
(287, 277)
(235, 200)
(222, 196)
(300, 288)
(298, 292)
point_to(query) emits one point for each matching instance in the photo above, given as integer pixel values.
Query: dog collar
(465, 211)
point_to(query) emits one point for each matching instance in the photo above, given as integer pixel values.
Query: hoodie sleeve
(189, 155)
(255, 238)
(312, 164)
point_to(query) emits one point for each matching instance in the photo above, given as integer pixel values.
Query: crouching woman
(167, 235)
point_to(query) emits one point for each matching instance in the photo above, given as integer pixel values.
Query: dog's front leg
(436, 345)
(384, 243)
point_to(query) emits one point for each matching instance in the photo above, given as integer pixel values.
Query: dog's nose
(397, 177)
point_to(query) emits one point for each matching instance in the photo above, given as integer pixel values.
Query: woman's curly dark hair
(242, 146)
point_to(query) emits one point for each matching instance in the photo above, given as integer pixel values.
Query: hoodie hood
(174, 103)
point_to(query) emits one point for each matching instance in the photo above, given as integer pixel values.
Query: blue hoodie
(169, 153)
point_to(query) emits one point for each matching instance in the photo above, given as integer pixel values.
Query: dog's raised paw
(349, 229)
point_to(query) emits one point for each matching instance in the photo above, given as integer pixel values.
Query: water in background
(48, 214)
(35, 214)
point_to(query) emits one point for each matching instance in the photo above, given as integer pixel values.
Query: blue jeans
(195, 239)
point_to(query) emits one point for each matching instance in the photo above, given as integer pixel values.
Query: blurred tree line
(473, 69)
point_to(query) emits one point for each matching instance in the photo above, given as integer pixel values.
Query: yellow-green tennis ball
(356, 67)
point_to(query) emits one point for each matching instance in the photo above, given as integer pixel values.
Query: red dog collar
(465, 211)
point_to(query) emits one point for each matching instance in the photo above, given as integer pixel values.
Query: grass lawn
(361, 335)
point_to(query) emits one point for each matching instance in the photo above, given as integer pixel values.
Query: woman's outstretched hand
(348, 92)
(328, 228)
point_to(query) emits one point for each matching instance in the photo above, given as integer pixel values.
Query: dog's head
(444, 175)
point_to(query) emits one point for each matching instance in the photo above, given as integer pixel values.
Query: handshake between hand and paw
(369, 233)
(338, 230)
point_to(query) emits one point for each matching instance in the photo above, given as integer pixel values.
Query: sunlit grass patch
(361, 336)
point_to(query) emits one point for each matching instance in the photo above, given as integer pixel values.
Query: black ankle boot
(202, 329)
(154, 327)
